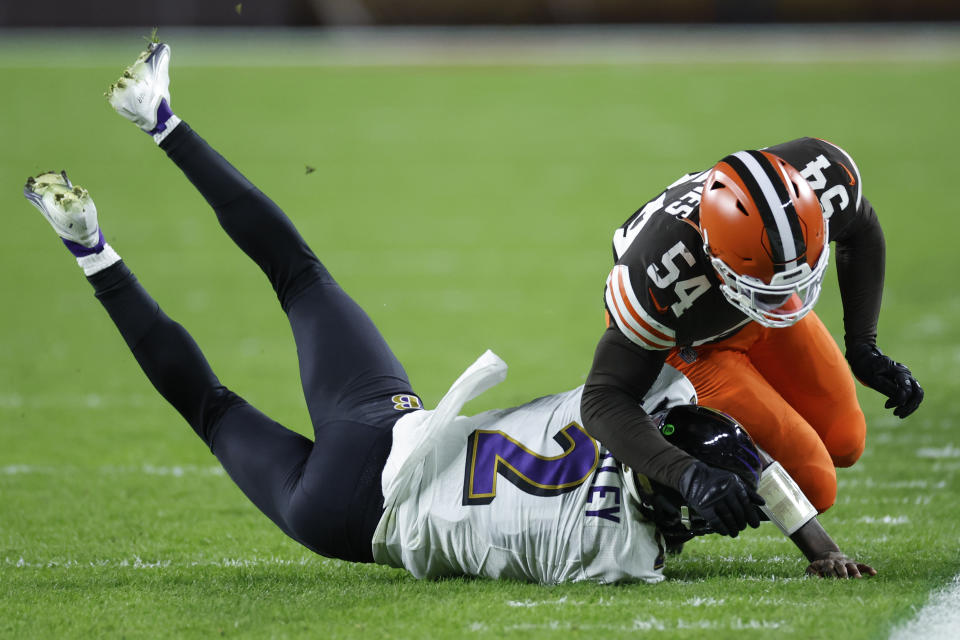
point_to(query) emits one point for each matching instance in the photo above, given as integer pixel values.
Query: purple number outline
(493, 453)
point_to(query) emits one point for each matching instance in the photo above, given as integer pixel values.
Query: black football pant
(323, 493)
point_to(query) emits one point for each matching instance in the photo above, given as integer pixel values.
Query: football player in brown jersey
(718, 276)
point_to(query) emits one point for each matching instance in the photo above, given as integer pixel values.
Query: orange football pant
(793, 392)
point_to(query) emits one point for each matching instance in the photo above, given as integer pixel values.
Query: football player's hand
(890, 378)
(721, 498)
(835, 564)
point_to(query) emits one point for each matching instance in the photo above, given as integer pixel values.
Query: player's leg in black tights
(326, 493)
(344, 361)
(176, 367)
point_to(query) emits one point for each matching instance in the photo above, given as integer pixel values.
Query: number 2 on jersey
(686, 290)
(493, 453)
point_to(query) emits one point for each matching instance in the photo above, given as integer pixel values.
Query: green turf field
(465, 208)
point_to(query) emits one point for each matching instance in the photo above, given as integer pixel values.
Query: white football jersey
(522, 493)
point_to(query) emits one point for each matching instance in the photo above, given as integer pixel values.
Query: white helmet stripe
(776, 207)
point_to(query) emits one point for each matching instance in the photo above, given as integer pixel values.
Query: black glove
(720, 498)
(890, 378)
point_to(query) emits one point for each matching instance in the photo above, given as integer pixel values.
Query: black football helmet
(710, 436)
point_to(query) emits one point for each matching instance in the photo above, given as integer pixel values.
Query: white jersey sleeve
(522, 493)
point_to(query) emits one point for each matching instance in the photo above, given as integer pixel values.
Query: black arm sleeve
(861, 258)
(622, 373)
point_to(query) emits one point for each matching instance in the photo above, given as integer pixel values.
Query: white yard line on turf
(938, 620)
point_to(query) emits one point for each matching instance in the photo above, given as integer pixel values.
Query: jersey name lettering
(685, 204)
(681, 207)
(603, 497)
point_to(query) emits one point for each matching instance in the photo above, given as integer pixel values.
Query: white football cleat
(67, 207)
(142, 94)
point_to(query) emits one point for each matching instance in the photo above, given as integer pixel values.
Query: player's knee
(302, 525)
(294, 284)
(817, 481)
(847, 438)
(312, 523)
(848, 456)
(824, 497)
(215, 403)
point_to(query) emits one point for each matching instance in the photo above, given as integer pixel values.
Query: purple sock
(163, 114)
(79, 251)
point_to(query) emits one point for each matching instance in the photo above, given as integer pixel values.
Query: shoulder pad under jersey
(832, 174)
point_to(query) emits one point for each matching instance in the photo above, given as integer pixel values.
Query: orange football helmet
(765, 233)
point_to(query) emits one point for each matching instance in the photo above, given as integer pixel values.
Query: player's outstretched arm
(789, 509)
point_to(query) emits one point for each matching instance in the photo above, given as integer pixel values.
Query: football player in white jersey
(521, 493)
(525, 493)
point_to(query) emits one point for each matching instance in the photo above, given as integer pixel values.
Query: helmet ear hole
(795, 187)
(742, 209)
